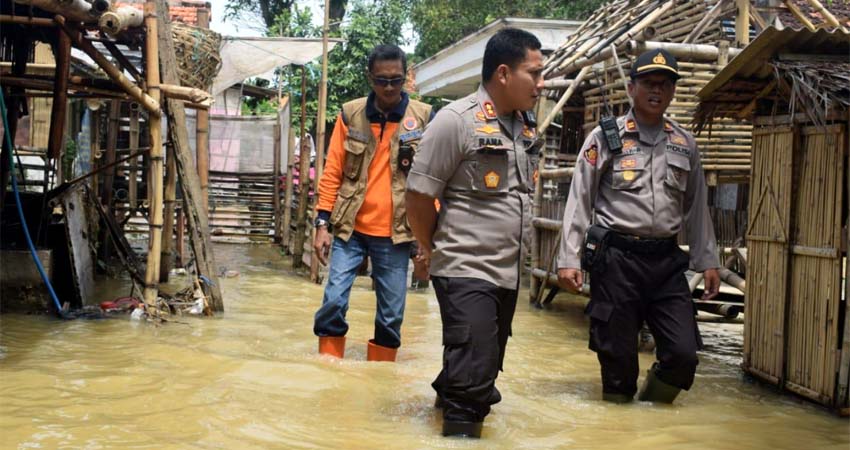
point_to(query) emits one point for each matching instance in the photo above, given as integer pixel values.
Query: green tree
(438, 23)
(367, 23)
(271, 12)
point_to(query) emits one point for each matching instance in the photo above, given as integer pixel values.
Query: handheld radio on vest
(608, 124)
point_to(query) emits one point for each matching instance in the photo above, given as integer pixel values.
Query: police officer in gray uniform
(640, 196)
(478, 156)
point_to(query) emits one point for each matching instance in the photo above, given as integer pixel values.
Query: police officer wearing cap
(478, 156)
(640, 196)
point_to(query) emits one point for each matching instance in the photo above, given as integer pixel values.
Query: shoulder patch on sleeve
(591, 154)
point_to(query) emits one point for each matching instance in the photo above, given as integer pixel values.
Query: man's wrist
(322, 219)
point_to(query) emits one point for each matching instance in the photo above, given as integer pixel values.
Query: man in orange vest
(361, 203)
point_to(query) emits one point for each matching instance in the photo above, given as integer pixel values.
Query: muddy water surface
(251, 379)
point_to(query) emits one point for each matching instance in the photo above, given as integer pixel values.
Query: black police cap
(655, 61)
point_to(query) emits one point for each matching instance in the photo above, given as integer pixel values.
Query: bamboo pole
(78, 10)
(303, 179)
(287, 199)
(124, 62)
(202, 134)
(742, 23)
(150, 103)
(193, 95)
(320, 128)
(189, 183)
(703, 24)
(687, 52)
(26, 20)
(827, 16)
(276, 177)
(38, 84)
(541, 129)
(56, 141)
(120, 19)
(155, 169)
(795, 10)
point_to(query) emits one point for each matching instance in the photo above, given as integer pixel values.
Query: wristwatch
(321, 223)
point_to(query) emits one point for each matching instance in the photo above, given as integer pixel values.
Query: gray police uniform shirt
(482, 168)
(648, 190)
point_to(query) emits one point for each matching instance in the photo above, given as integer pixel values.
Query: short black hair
(387, 52)
(508, 46)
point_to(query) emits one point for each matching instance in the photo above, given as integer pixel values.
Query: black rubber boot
(462, 428)
(655, 390)
(438, 402)
(616, 398)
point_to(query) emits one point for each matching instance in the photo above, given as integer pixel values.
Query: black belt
(637, 244)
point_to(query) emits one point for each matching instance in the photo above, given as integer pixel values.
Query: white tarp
(247, 57)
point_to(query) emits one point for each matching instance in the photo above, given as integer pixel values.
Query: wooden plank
(196, 214)
(77, 228)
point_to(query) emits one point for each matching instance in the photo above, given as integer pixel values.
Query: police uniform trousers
(476, 316)
(640, 280)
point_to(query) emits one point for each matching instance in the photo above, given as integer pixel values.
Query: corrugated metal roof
(751, 62)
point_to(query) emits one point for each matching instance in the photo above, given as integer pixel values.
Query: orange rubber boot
(332, 345)
(375, 352)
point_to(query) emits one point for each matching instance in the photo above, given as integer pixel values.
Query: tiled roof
(185, 11)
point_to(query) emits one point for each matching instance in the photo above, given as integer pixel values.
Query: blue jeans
(389, 270)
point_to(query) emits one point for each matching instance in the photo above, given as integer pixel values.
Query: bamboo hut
(144, 93)
(586, 78)
(794, 87)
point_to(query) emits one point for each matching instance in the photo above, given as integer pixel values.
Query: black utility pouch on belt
(595, 241)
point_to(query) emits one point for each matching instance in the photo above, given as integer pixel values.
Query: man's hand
(711, 284)
(322, 245)
(570, 279)
(422, 263)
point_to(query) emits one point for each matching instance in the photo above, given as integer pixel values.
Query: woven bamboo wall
(767, 239)
(793, 327)
(815, 288)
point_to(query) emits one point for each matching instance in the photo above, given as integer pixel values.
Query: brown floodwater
(251, 379)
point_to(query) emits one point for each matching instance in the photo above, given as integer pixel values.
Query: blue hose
(21, 210)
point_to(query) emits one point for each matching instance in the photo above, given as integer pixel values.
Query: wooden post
(303, 179)
(276, 175)
(109, 174)
(190, 185)
(168, 225)
(181, 236)
(742, 23)
(287, 199)
(155, 170)
(202, 133)
(60, 95)
(320, 127)
(111, 144)
(133, 144)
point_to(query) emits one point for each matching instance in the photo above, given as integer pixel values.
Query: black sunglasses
(384, 82)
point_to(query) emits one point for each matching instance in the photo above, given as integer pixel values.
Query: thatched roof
(793, 70)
